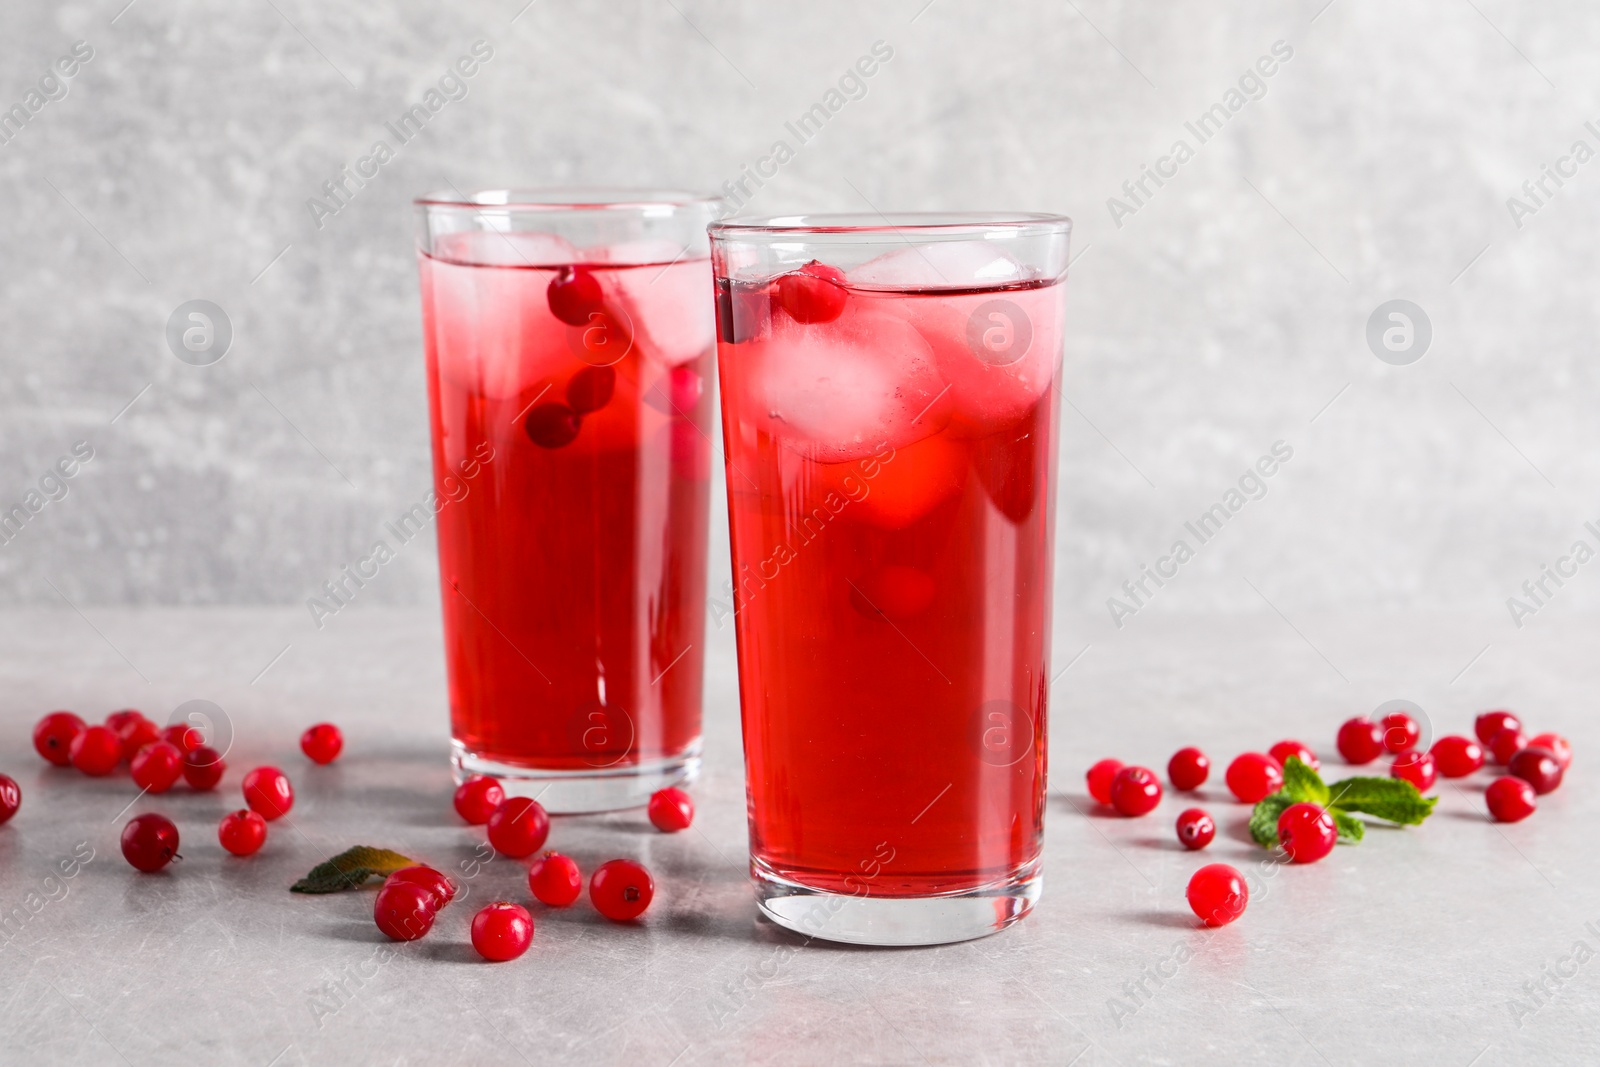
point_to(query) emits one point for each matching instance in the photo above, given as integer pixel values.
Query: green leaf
(1264, 817)
(1302, 783)
(1350, 828)
(350, 868)
(1388, 798)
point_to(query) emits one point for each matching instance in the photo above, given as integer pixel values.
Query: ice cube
(945, 265)
(492, 331)
(999, 351)
(494, 248)
(672, 307)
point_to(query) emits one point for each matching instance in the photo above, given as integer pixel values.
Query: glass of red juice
(569, 338)
(889, 407)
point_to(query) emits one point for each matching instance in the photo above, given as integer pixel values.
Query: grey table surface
(1456, 943)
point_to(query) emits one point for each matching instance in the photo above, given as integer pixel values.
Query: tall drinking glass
(569, 339)
(889, 390)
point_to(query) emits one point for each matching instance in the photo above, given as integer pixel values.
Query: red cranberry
(591, 389)
(1284, 749)
(54, 734)
(10, 798)
(518, 827)
(268, 793)
(1537, 766)
(502, 931)
(1099, 778)
(440, 891)
(404, 911)
(242, 832)
(184, 737)
(1492, 722)
(1509, 799)
(1505, 744)
(621, 890)
(135, 735)
(1457, 756)
(477, 797)
(575, 294)
(555, 880)
(671, 810)
(322, 743)
(157, 767)
(1558, 746)
(150, 842)
(813, 294)
(1196, 828)
(1252, 776)
(119, 721)
(1218, 894)
(1360, 740)
(1415, 767)
(96, 751)
(685, 389)
(1188, 769)
(203, 768)
(1306, 832)
(552, 425)
(1400, 732)
(1135, 791)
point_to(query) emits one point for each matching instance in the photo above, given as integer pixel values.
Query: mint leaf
(350, 868)
(1302, 783)
(1350, 827)
(1264, 818)
(1393, 799)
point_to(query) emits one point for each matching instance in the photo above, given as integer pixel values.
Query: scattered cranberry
(591, 389)
(552, 425)
(575, 294)
(136, 735)
(1135, 791)
(1400, 732)
(10, 798)
(1188, 769)
(671, 810)
(814, 293)
(502, 931)
(685, 389)
(1492, 722)
(518, 827)
(1457, 756)
(203, 768)
(1360, 740)
(1509, 799)
(477, 797)
(54, 734)
(1196, 828)
(184, 737)
(621, 890)
(1415, 767)
(119, 721)
(96, 751)
(150, 842)
(1558, 746)
(1505, 744)
(1252, 776)
(1218, 894)
(404, 911)
(1537, 766)
(157, 767)
(555, 880)
(1306, 832)
(322, 743)
(268, 793)
(242, 832)
(1099, 778)
(1284, 749)
(440, 890)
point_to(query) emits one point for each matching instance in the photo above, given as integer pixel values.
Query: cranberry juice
(570, 402)
(889, 456)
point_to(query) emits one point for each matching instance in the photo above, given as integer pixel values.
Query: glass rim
(564, 198)
(1012, 224)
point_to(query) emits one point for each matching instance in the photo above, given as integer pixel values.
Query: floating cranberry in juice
(889, 412)
(569, 350)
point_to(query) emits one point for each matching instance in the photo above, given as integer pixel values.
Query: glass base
(858, 920)
(625, 785)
